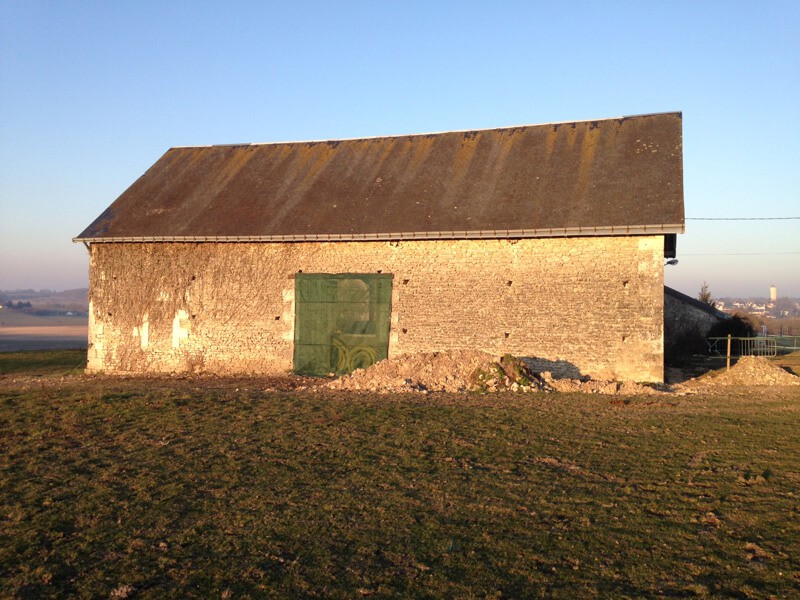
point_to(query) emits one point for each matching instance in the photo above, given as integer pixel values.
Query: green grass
(193, 489)
(43, 362)
(789, 362)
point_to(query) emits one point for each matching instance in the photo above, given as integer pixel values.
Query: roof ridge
(429, 133)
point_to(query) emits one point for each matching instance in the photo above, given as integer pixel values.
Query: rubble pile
(433, 371)
(748, 370)
(456, 371)
(595, 386)
(471, 371)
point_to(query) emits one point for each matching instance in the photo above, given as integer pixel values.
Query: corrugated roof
(605, 177)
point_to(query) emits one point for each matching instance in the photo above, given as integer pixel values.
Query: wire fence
(786, 343)
(770, 345)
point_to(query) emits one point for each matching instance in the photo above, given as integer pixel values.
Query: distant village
(769, 316)
(786, 308)
(770, 308)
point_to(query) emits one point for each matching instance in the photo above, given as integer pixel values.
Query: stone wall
(594, 303)
(686, 324)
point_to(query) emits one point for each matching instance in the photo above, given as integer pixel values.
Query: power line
(742, 218)
(737, 253)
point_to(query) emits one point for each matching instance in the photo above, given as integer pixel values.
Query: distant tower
(773, 293)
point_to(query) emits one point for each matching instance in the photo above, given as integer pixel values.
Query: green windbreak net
(341, 321)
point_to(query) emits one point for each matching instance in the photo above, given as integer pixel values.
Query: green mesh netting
(341, 321)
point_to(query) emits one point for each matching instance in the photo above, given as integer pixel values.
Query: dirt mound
(462, 371)
(748, 370)
(455, 371)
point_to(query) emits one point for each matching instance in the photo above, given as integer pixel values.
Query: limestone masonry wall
(594, 304)
(686, 325)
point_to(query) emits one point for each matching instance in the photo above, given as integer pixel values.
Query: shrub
(737, 326)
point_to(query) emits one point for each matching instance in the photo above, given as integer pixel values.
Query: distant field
(241, 488)
(16, 318)
(20, 331)
(47, 340)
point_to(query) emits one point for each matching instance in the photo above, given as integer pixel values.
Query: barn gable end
(542, 241)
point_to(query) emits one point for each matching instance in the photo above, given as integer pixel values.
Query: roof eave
(611, 230)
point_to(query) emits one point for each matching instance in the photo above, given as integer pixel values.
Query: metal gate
(341, 321)
(742, 346)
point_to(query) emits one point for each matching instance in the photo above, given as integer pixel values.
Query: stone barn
(543, 241)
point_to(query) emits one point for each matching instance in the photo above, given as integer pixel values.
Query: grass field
(789, 362)
(50, 362)
(209, 488)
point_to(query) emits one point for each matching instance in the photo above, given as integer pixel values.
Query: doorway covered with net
(341, 321)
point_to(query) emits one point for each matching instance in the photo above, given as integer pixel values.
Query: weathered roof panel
(603, 176)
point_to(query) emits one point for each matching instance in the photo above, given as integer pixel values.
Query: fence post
(728, 354)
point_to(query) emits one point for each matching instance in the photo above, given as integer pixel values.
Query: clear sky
(93, 93)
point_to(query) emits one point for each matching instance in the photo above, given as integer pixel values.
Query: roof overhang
(618, 230)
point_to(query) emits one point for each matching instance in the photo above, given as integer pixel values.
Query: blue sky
(93, 93)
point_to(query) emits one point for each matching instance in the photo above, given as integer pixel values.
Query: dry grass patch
(189, 488)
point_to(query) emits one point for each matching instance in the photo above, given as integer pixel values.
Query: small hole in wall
(405, 330)
(506, 334)
(300, 270)
(624, 338)
(194, 316)
(625, 283)
(379, 271)
(277, 318)
(193, 277)
(508, 283)
(405, 281)
(109, 314)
